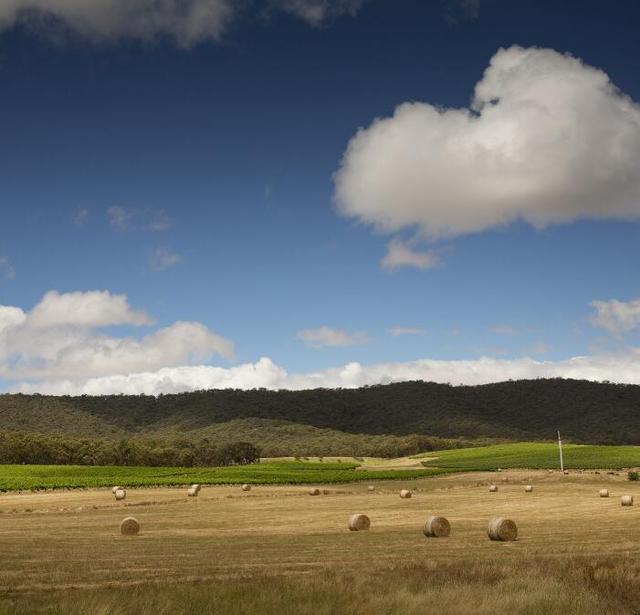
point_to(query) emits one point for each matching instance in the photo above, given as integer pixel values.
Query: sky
(317, 193)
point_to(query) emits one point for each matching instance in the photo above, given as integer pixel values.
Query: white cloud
(397, 331)
(326, 336)
(265, 373)
(317, 12)
(61, 338)
(548, 140)
(124, 219)
(7, 272)
(615, 316)
(85, 309)
(163, 258)
(10, 317)
(187, 22)
(402, 254)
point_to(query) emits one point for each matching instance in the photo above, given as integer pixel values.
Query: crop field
(534, 455)
(34, 477)
(275, 549)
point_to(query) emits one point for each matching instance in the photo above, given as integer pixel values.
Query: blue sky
(196, 177)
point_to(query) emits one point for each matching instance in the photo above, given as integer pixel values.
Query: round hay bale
(528, 489)
(129, 526)
(314, 491)
(493, 488)
(371, 488)
(192, 492)
(120, 494)
(502, 529)
(246, 487)
(437, 527)
(604, 493)
(626, 500)
(114, 489)
(405, 494)
(359, 523)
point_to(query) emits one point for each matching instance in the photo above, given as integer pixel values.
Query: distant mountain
(518, 410)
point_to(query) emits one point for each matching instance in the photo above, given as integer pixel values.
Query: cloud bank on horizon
(264, 373)
(548, 140)
(58, 347)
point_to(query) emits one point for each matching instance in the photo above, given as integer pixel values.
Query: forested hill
(529, 409)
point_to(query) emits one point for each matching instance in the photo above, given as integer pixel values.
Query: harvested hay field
(55, 542)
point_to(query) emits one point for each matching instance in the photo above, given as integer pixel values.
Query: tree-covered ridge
(584, 411)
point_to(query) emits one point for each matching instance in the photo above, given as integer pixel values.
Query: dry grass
(569, 587)
(209, 545)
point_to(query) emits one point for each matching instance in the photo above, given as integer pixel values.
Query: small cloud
(504, 330)
(81, 217)
(397, 331)
(156, 220)
(402, 254)
(326, 336)
(537, 348)
(615, 316)
(317, 12)
(162, 258)
(124, 219)
(85, 309)
(119, 217)
(7, 272)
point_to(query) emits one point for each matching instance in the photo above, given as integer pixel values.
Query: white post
(560, 449)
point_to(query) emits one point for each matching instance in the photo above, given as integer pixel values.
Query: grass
(535, 455)
(34, 477)
(277, 550)
(573, 587)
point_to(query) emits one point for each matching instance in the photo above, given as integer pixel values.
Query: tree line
(56, 449)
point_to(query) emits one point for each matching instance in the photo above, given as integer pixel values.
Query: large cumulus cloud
(547, 140)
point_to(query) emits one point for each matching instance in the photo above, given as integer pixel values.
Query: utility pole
(560, 449)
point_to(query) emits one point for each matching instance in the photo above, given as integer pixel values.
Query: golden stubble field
(71, 539)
